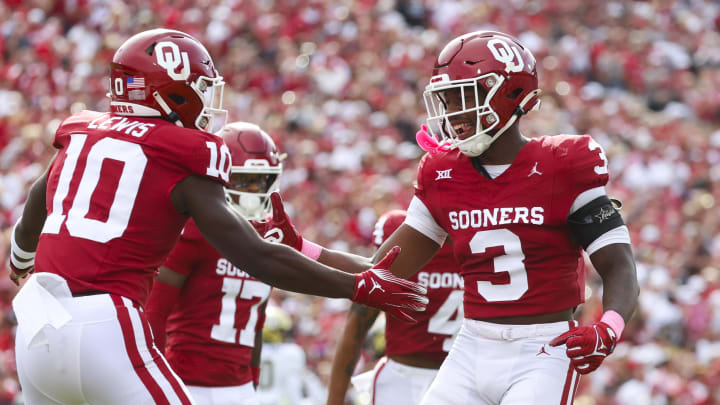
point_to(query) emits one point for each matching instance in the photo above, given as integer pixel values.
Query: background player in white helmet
(213, 309)
(284, 377)
(414, 352)
(103, 217)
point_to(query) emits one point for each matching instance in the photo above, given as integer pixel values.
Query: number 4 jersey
(110, 220)
(510, 234)
(211, 331)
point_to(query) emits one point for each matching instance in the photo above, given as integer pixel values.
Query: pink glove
(587, 346)
(378, 288)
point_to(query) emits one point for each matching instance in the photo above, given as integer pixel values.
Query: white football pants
(236, 395)
(494, 364)
(399, 384)
(101, 352)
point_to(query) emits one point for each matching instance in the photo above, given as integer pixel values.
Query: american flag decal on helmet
(135, 82)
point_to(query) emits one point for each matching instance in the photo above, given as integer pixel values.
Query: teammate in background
(216, 309)
(519, 213)
(102, 219)
(284, 377)
(414, 352)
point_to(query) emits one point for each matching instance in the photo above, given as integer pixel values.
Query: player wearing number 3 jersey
(519, 212)
(105, 215)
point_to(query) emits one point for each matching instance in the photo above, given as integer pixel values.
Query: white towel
(38, 305)
(363, 382)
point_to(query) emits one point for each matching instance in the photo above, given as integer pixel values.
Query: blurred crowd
(338, 85)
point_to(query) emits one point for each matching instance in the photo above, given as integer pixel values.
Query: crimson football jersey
(433, 333)
(211, 331)
(110, 220)
(510, 234)
(435, 328)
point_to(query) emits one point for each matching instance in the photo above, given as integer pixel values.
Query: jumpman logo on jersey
(375, 286)
(542, 351)
(535, 170)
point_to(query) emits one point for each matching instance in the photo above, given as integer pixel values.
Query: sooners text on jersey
(510, 234)
(110, 220)
(211, 331)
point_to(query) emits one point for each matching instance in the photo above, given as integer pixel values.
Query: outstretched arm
(281, 229)
(417, 249)
(359, 320)
(234, 237)
(283, 267)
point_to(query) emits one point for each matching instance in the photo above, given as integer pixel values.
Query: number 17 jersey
(510, 234)
(110, 220)
(212, 329)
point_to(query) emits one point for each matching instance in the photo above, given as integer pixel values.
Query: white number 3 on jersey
(603, 168)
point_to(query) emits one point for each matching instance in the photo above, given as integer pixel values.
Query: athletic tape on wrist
(22, 264)
(310, 249)
(615, 321)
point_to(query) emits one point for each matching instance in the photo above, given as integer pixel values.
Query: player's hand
(279, 228)
(380, 289)
(17, 274)
(587, 346)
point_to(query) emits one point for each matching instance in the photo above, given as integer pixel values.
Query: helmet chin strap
(174, 117)
(478, 147)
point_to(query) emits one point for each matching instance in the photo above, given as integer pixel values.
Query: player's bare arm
(417, 250)
(171, 277)
(257, 351)
(281, 229)
(359, 320)
(27, 231)
(616, 267)
(163, 298)
(342, 260)
(234, 237)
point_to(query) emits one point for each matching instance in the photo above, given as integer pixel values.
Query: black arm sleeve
(593, 220)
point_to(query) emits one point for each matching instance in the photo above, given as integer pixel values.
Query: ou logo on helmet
(169, 56)
(506, 53)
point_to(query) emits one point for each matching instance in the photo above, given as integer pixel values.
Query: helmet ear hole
(177, 99)
(515, 93)
(150, 49)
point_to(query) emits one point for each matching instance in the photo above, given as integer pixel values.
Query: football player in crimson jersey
(99, 222)
(216, 309)
(413, 352)
(519, 213)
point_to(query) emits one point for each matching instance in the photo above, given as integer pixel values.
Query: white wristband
(22, 264)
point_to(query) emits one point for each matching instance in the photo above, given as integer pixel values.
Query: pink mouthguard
(428, 143)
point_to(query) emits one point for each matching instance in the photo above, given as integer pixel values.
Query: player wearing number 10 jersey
(108, 211)
(215, 309)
